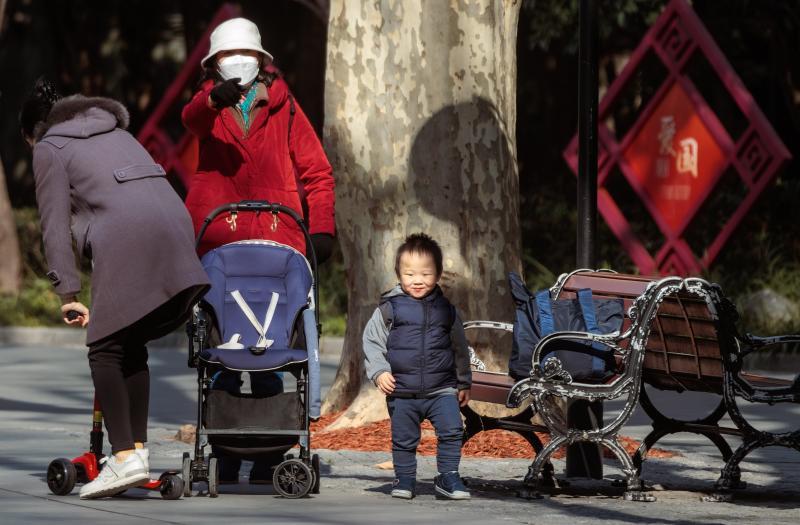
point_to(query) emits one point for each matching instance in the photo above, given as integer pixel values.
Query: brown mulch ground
(376, 437)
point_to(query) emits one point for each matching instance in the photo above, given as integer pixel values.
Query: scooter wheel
(186, 472)
(81, 471)
(61, 476)
(315, 468)
(171, 486)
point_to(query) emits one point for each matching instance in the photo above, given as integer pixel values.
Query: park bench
(681, 336)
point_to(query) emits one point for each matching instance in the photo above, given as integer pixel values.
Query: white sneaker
(116, 477)
(144, 454)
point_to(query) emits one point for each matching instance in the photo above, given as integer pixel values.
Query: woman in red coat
(255, 144)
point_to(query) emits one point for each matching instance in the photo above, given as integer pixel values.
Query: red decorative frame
(180, 158)
(756, 156)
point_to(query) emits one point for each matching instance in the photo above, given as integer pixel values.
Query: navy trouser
(407, 416)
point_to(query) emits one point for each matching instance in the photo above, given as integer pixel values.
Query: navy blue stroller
(262, 304)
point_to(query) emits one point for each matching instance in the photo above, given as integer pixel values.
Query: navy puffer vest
(419, 348)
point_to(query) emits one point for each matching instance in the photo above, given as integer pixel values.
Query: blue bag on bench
(537, 315)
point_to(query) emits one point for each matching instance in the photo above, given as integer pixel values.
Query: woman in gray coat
(98, 187)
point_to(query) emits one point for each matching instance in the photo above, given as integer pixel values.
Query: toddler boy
(416, 353)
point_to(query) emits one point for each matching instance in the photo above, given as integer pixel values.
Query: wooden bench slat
(491, 387)
(683, 339)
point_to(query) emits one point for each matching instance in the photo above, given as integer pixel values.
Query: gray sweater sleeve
(461, 351)
(374, 344)
(53, 199)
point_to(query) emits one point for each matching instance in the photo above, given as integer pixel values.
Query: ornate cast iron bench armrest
(777, 392)
(758, 342)
(474, 361)
(549, 379)
(551, 373)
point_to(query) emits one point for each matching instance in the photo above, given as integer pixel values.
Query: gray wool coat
(98, 187)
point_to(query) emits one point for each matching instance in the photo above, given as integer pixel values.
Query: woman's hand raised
(226, 94)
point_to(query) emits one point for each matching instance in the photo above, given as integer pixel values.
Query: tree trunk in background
(420, 120)
(11, 260)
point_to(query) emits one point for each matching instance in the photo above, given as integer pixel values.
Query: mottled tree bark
(420, 116)
(11, 261)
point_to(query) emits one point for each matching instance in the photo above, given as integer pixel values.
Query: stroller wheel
(171, 486)
(61, 476)
(315, 468)
(186, 473)
(293, 479)
(213, 477)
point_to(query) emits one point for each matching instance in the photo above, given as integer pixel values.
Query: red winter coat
(264, 164)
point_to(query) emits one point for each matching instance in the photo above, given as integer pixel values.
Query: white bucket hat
(236, 33)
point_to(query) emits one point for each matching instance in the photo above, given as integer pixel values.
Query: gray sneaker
(403, 488)
(116, 477)
(450, 486)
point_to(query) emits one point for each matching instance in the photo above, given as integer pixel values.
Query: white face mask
(243, 67)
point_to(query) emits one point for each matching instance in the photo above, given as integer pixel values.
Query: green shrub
(37, 304)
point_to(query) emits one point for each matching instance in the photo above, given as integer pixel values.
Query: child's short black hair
(423, 244)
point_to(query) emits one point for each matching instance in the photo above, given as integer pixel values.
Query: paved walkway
(45, 400)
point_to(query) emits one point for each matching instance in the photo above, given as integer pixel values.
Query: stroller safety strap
(233, 344)
(263, 342)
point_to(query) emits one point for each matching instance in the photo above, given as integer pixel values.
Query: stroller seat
(245, 361)
(263, 307)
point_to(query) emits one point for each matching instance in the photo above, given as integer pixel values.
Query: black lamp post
(584, 459)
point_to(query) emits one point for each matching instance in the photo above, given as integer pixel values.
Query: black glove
(226, 94)
(323, 246)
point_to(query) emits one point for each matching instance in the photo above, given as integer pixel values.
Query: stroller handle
(274, 208)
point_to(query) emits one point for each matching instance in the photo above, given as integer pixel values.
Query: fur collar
(69, 107)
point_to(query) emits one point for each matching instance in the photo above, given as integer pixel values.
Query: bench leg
(635, 486)
(663, 426)
(730, 477)
(532, 483)
(475, 423)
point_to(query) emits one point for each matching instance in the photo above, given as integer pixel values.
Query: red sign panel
(667, 156)
(675, 154)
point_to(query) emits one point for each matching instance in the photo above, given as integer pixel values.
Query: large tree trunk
(420, 118)
(11, 261)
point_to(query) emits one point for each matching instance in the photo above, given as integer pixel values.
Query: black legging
(120, 373)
